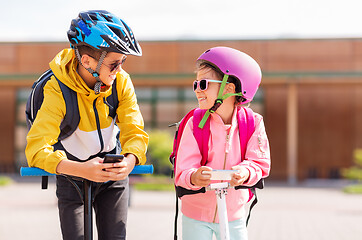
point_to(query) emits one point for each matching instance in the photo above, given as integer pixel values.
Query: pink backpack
(246, 128)
(246, 125)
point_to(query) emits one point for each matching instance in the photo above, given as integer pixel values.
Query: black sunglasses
(116, 65)
(113, 66)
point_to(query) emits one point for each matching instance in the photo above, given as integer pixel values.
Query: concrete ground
(308, 211)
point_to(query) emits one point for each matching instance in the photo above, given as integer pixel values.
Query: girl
(226, 78)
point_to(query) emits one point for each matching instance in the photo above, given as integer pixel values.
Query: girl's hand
(199, 179)
(240, 177)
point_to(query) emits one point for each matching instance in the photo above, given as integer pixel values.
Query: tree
(354, 173)
(159, 150)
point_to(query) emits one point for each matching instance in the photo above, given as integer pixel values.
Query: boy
(100, 43)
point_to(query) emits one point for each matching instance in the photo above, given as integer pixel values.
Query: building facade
(310, 97)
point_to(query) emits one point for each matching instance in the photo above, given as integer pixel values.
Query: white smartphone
(220, 174)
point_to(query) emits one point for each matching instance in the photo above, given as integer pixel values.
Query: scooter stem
(222, 212)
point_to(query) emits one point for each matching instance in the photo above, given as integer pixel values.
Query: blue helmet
(104, 31)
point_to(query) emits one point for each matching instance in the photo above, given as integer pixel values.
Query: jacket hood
(64, 67)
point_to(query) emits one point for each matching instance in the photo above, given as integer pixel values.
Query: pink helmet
(238, 64)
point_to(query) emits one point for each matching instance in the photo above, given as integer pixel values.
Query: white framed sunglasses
(204, 83)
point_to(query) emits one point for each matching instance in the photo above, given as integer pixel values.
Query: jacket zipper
(227, 143)
(98, 125)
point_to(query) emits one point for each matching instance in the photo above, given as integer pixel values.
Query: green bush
(354, 173)
(5, 181)
(154, 183)
(357, 188)
(159, 150)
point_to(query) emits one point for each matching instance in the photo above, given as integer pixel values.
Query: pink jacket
(224, 153)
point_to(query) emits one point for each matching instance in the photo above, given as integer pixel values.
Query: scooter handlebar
(33, 171)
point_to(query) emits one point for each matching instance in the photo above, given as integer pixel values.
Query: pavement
(313, 211)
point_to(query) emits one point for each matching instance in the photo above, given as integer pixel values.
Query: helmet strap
(222, 87)
(220, 98)
(95, 73)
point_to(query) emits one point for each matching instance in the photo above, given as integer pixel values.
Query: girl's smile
(206, 98)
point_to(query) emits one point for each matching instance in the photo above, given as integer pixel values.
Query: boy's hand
(97, 171)
(94, 170)
(121, 170)
(240, 177)
(199, 179)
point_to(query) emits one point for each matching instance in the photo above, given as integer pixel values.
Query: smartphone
(113, 158)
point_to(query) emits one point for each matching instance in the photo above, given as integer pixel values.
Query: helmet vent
(93, 17)
(116, 31)
(107, 17)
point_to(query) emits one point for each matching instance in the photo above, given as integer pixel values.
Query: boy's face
(206, 98)
(111, 65)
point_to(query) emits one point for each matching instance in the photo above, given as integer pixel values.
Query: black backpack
(71, 118)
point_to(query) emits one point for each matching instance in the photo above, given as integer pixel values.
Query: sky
(49, 20)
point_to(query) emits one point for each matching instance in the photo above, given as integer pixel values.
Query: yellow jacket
(85, 141)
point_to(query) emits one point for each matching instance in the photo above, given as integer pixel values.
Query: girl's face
(206, 98)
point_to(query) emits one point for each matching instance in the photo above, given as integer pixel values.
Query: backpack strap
(246, 124)
(176, 141)
(112, 100)
(246, 129)
(71, 118)
(35, 100)
(202, 135)
(36, 97)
